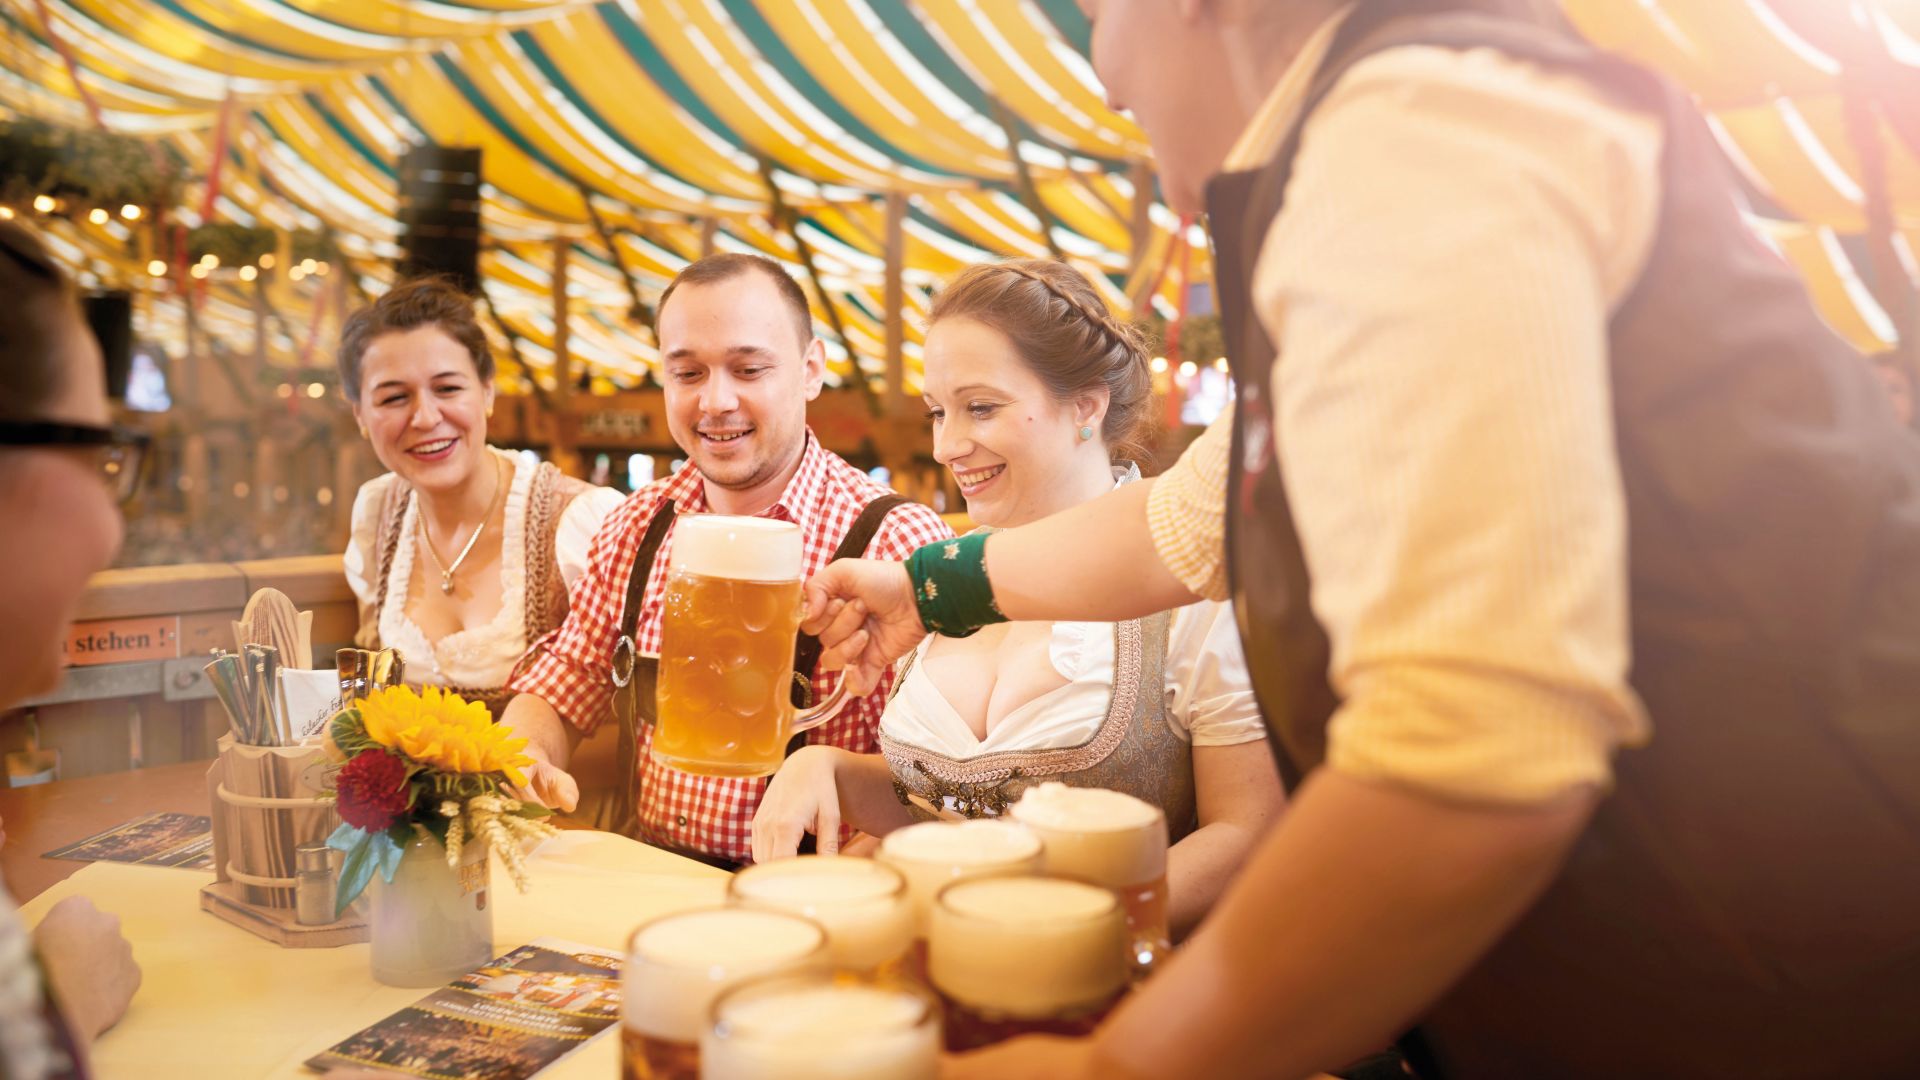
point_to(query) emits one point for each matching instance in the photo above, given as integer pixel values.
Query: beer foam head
(961, 843)
(677, 965)
(862, 904)
(1028, 947)
(1106, 837)
(933, 853)
(801, 1028)
(818, 879)
(741, 548)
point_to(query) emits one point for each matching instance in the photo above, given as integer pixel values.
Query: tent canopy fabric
(667, 120)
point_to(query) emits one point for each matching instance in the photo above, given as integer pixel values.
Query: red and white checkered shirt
(573, 672)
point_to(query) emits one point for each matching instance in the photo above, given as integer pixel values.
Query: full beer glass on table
(1016, 956)
(728, 623)
(933, 854)
(1109, 839)
(678, 965)
(862, 905)
(802, 1027)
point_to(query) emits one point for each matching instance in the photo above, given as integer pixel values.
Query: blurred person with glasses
(63, 468)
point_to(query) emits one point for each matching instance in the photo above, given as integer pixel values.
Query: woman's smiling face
(424, 407)
(1008, 443)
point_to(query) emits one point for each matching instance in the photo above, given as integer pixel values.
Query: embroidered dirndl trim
(997, 768)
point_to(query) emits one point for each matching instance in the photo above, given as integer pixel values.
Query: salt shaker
(313, 889)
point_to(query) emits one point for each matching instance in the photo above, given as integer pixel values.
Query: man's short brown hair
(714, 269)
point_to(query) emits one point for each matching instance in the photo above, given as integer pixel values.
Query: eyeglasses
(116, 452)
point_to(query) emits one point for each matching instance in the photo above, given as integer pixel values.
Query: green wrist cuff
(950, 586)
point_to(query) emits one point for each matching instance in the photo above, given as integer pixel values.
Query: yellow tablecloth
(218, 1002)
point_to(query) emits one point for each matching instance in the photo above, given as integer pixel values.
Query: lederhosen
(1746, 902)
(548, 496)
(636, 677)
(1135, 749)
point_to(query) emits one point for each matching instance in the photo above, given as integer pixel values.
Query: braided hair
(1065, 334)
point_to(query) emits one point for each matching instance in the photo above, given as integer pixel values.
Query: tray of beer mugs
(955, 935)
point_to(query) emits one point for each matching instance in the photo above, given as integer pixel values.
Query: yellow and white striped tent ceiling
(664, 114)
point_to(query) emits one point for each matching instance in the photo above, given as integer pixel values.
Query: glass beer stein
(863, 905)
(728, 624)
(812, 1027)
(933, 854)
(1109, 839)
(678, 965)
(1016, 956)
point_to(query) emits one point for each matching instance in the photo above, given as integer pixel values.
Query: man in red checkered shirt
(740, 362)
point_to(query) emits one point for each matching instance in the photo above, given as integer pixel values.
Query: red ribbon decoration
(219, 158)
(73, 66)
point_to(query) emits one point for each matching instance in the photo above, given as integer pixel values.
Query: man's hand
(803, 798)
(862, 611)
(88, 963)
(548, 784)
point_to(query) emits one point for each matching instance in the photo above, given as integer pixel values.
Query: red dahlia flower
(373, 791)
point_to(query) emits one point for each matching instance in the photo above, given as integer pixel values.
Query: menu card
(504, 1021)
(182, 840)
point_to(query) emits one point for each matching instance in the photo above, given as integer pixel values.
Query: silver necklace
(446, 572)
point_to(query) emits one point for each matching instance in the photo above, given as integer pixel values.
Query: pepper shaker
(313, 889)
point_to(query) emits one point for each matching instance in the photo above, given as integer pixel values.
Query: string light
(199, 271)
(1188, 368)
(240, 490)
(1220, 364)
(210, 261)
(266, 261)
(44, 203)
(296, 274)
(321, 269)
(6, 213)
(248, 273)
(308, 266)
(130, 212)
(157, 268)
(316, 391)
(98, 216)
(1159, 365)
(324, 496)
(284, 391)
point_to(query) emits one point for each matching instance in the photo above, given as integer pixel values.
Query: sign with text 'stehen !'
(117, 641)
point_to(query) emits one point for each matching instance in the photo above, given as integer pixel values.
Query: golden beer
(678, 965)
(1023, 956)
(728, 623)
(1115, 841)
(862, 905)
(821, 1028)
(934, 854)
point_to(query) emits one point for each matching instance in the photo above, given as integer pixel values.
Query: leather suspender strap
(637, 590)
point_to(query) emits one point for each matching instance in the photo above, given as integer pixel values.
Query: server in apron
(1538, 455)
(741, 363)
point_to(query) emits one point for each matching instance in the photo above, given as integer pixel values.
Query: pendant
(446, 584)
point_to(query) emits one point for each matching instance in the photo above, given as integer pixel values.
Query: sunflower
(442, 730)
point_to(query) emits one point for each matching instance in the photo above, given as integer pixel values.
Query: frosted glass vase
(432, 923)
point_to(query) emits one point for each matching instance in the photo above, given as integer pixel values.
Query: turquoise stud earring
(1086, 433)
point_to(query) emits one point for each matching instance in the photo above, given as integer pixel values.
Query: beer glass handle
(808, 719)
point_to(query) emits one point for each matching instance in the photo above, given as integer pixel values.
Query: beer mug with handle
(728, 625)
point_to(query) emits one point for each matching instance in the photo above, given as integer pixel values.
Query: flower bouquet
(426, 764)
